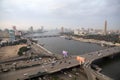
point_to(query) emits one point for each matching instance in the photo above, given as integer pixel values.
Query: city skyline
(55, 14)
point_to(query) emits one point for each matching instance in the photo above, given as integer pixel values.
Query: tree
(22, 49)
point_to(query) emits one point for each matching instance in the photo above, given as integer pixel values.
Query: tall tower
(105, 28)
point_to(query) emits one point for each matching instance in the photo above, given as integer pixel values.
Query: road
(59, 64)
(19, 74)
(100, 54)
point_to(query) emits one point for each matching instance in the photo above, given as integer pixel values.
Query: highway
(60, 65)
(100, 54)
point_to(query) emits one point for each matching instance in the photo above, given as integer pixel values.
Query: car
(25, 74)
(40, 58)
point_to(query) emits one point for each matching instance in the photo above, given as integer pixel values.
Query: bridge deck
(101, 53)
(43, 36)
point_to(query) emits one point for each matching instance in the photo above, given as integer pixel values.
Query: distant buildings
(10, 35)
(17, 33)
(91, 31)
(66, 30)
(80, 32)
(31, 30)
(40, 30)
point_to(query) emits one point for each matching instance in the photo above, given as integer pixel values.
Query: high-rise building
(11, 35)
(16, 31)
(31, 29)
(62, 29)
(42, 28)
(105, 28)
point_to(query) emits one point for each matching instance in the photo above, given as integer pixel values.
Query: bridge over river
(64, 63)
(43, 36)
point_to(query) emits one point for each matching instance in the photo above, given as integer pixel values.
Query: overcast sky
(56, 13)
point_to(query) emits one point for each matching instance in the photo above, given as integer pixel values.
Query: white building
(80, 32)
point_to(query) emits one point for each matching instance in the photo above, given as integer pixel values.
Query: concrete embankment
(47, 52)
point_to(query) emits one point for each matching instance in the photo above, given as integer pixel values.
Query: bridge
(62, 64)
(43, 36)
(101, 53)
(93, 56)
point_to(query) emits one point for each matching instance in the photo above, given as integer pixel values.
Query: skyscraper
(31, 29)
(62, 29)
(11, 35)
(42, 27)
(105, 28)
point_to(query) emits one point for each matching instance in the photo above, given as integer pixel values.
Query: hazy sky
(57, 13)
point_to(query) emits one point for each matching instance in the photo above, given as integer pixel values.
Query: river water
(58, 44)
(111, 67)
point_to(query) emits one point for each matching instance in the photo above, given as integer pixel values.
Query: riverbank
(101, 42)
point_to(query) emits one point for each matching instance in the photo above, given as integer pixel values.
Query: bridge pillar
(89, 74)
(93, 76)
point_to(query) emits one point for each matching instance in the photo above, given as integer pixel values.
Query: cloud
(53, 12)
